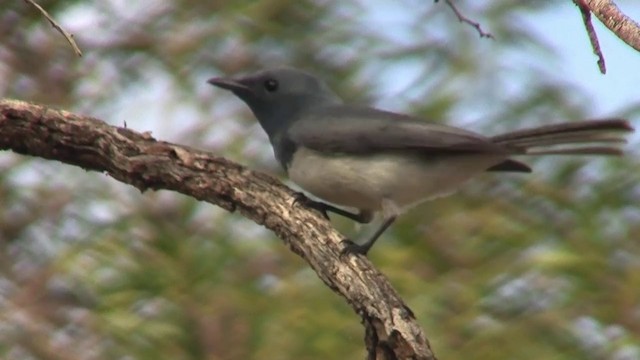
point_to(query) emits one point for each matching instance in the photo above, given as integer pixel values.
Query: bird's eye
(271, 85)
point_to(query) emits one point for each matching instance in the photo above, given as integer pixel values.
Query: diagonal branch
(68, 36)
(619, 23)
(137, 159)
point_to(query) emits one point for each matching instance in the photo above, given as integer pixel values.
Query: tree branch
(591, 32)
(620, 24)
(391, 330)
(68, 36)
(464, 19)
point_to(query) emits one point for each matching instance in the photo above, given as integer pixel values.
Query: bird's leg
(363, 249)
(390, 212)
(363, 217)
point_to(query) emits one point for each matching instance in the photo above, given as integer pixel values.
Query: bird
(381, 162)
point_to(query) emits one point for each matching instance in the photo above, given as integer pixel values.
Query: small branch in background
(611, 16)
(465, 19)
(593, 38)
(57, 26)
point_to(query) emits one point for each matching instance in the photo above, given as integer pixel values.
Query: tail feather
(575, 139)
(559, 138)
(591, 150)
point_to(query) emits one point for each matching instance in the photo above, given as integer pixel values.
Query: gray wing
(348, 129)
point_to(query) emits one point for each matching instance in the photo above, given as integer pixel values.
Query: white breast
(404, 178)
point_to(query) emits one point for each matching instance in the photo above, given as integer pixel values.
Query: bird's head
(278, 96)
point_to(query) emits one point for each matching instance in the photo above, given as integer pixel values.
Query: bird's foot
(351, 247)
(302, 199)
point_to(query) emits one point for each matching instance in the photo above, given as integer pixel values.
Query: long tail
(590, 137)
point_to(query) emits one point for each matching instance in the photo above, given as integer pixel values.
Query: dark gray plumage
(378, 161)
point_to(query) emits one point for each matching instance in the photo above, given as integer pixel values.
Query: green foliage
(544, 266)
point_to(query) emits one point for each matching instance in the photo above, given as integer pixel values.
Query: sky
(564, 30)
(560, 26)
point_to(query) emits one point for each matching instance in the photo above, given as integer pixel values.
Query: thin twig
(62, 31)
(593, 38)
(465, 19)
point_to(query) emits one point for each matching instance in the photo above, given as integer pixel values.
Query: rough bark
(391, 330)
(620, 24)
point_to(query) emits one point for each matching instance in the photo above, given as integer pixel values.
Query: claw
(352, 248)
(302, 199)
(299, 198)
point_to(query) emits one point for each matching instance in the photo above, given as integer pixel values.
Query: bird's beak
(228, 84)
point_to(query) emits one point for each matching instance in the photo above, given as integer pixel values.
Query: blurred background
(540, 266)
